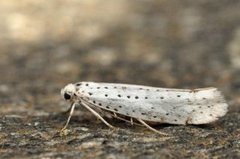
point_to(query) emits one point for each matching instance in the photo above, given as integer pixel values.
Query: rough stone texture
(47, 44)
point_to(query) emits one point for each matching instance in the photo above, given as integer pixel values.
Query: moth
(146, 104)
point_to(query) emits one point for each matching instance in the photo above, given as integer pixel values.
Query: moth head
(68, 92)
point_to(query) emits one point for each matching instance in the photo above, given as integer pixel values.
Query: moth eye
(66, 96)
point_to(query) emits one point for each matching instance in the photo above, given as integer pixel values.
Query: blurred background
(46, 44)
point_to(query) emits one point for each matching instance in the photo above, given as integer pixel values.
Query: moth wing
(211, 105)
(175, 106)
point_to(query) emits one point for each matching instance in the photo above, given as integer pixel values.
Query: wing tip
(209, 117)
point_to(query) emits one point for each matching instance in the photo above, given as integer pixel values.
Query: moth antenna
(151, 128)
(97, 115)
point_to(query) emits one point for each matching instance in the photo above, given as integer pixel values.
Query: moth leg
(70, 115)
(67, 111)
(97, 115)
(131, 120)
(115, 115)
(151, 128)
(120, 118)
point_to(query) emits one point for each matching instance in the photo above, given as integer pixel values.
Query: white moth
(144, 103)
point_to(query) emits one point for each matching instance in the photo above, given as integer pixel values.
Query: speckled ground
(182, 44)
